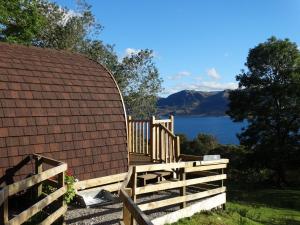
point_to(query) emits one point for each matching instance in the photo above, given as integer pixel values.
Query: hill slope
(188, 102)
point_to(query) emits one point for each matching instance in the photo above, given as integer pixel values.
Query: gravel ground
(111, 213)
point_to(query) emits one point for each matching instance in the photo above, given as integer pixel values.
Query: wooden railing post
(177, 148)
(38, 169)
(172, 123)
(127, 217)
(133, 189)
(129, 134)
(183, 188)
(152, 138)
(4, 206)
(61, 183)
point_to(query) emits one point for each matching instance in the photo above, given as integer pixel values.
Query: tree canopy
(45, 24)
(268, 97)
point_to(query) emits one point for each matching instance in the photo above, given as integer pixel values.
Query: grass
(259, 207)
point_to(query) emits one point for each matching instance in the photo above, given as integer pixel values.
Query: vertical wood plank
(147, 138)
(182, 189)
(157, 142)
(140, 137)
(162, 144)
(129, 134)
(133, 139)
(4, 207)
(127, 217)
(172, 123)
(38, 169)
(143, 138)
(61, 183)
(133, 188)
(177, 147)
(153, 138)
(136, 137)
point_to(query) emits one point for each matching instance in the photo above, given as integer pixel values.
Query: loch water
(223, 128)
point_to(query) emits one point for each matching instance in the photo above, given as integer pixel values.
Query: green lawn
(261, 207)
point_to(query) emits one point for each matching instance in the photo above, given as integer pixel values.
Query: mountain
(188, 102)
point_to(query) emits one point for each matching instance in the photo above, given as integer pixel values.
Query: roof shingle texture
(63, 106)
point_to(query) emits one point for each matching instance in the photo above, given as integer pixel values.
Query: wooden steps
(159, 175)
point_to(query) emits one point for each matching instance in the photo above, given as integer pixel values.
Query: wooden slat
(177, 184)
(108, 187)
(133, 137)
(47, 160)
(154, 167)
(127, 218)
(139, 215)
(3, 194)
(180, 199)
(55, 215)
(147, 137)
(210, 162)
(100, 181)
(35, 179)
(167, 130)
(136, 137)
(162, 121)
(202, 205)
(26, 214)
(143, 138)
(4, 205)
(204, 168)
(129, 134)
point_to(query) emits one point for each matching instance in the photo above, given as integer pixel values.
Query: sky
(197, 44)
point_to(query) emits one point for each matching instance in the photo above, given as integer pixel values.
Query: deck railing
(154, 138)
(200, 181)
(35, 183)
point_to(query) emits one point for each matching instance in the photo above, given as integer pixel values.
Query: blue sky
(199, 45)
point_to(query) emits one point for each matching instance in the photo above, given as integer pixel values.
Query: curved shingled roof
(61, 105)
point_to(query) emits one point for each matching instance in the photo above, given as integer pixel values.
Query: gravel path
(111, 213)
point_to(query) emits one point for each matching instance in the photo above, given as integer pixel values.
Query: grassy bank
(259, 207)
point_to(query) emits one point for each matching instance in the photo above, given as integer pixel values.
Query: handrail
(196, 187)
(36, 182)
(134, 210)
(167, 130)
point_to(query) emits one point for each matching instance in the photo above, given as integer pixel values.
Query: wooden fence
(154, 138)
(35, 182)
(204, 177)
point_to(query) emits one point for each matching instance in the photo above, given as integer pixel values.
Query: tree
(45, 24)
(203, 144)
(268, 97)
(20, 21)
(141, 85)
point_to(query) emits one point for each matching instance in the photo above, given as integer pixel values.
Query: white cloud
(67, 15)
(212, 72)
(131, 51)
(179, 75)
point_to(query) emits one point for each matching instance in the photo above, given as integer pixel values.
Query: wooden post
(222, 184)
(177, 152)
(147, 137)
(4, 207)
(38, 169)
(152, 138)
(127, 217)
(61, 183)
(129, 134)
(182, 189)
(172, 123)
(133, 188)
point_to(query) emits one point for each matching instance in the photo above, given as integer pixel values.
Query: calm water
(221, 127)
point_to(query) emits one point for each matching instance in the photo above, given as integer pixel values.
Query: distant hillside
(188, 102)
